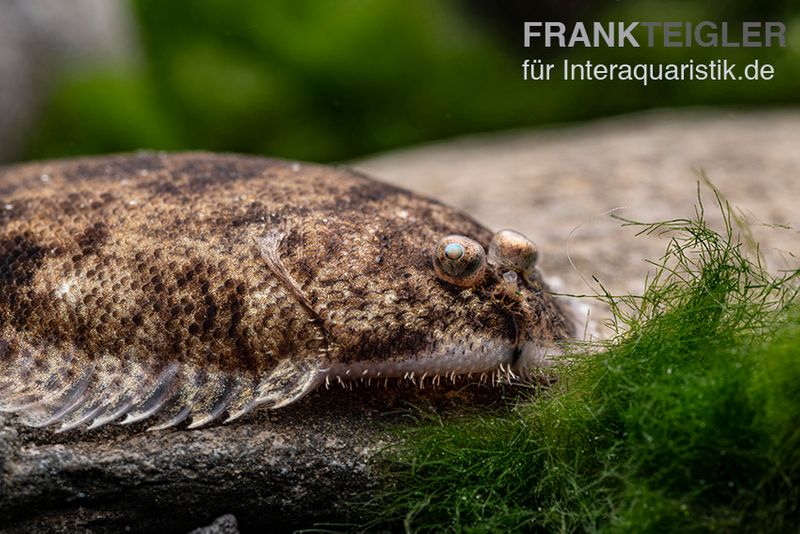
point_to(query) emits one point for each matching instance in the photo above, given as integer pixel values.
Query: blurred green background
(329, 81)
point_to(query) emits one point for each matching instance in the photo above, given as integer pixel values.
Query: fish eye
(459, 260)
(512, 250)
(453, 251)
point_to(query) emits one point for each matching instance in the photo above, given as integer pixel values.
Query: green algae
(688, 420)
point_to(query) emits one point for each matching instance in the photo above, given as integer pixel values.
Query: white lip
(453, 361)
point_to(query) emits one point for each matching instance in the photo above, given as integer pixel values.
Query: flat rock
(282, 470)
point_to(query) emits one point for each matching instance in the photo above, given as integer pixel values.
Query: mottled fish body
(193, 286)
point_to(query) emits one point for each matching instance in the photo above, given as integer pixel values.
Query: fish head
(415, 298)
(506, 277)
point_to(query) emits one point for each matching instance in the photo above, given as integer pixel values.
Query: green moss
(687, 421)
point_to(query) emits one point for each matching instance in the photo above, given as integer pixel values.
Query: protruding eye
(512, 250)
(459, 260)
(453, 251)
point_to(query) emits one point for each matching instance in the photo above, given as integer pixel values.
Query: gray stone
(225, 524)
(275, 470)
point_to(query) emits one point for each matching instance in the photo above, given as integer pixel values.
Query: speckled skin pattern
(189, 286)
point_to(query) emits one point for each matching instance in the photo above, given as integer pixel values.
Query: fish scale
(192, 286)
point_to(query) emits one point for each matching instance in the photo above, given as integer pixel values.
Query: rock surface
(225, 524)
(276, 470)
(299, 466)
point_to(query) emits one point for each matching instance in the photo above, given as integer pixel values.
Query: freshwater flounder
(194, 286)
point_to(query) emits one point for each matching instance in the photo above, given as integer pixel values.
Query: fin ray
(45, 388)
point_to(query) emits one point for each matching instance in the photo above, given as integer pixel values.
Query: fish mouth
(495, 357)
